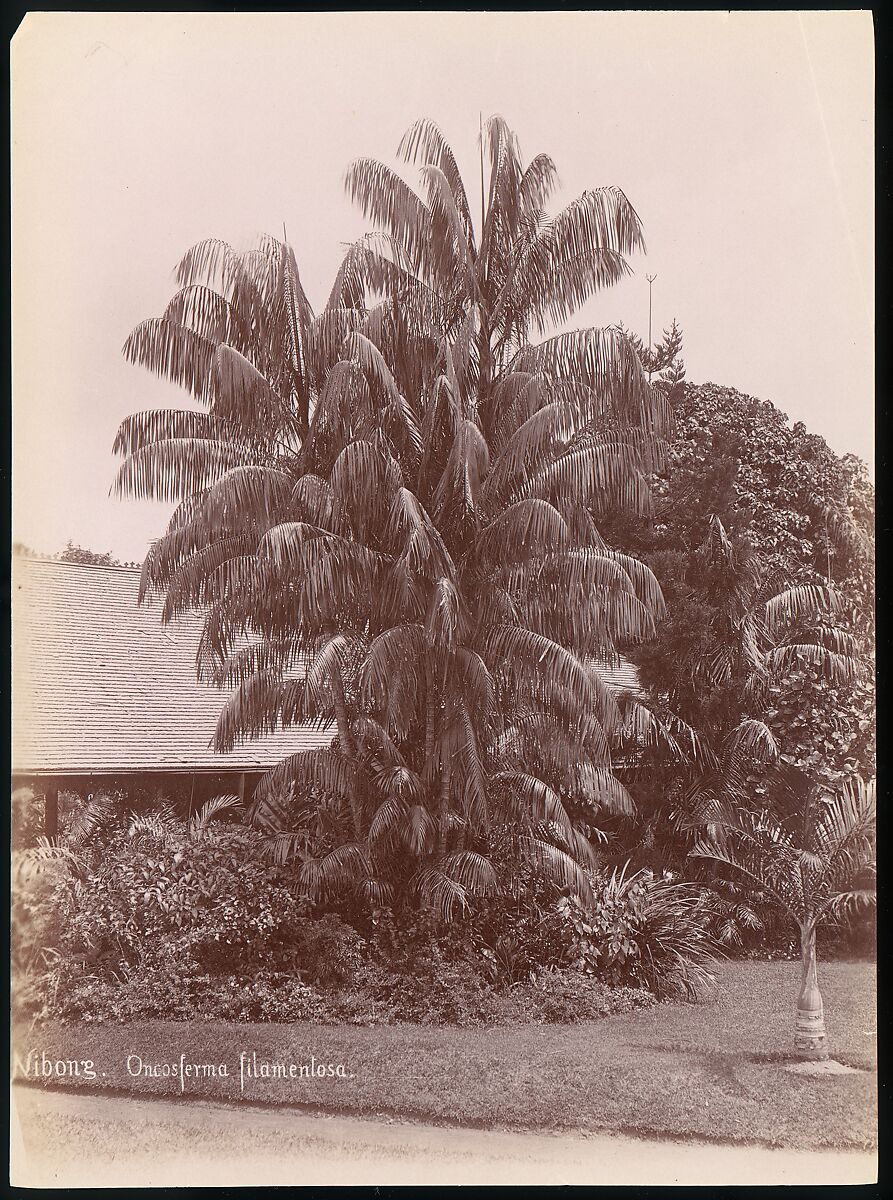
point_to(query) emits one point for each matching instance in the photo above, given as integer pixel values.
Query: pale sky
(745, 141)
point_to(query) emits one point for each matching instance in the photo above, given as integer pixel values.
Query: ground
(708, 1071)
(70, 1139)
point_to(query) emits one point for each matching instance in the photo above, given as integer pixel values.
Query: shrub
(150, 992)
(205, 903)
(36, 924)
(36, 921)
(517, 943)
(642, 931)
(404, 941)
(436, 992)
(448, 997)
(746, 922)
(676, 949)
(26, 818)
(571, 996)
(180, 921)
(327, 952)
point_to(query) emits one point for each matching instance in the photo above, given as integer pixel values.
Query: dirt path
(73, 1140)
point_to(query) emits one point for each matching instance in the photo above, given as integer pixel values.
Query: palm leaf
(174, 352)
(176, 468)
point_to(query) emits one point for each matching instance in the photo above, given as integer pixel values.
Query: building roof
(101, 687)
(621, 676)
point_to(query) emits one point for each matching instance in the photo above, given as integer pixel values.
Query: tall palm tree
(815, 865)
(397, 502)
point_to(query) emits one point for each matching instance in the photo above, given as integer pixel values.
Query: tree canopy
(761, 539)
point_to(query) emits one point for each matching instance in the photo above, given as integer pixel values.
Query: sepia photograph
(443, 599)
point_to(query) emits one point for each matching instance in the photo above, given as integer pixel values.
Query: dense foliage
(78, 554)
(182, 920)
(795, 514)
(761, 539)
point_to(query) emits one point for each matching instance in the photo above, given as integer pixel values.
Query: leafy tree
(397, 500)
(77, 554)
(759, 628)
(737, 457)
(796, 522)
(816, 864)
(664, 359)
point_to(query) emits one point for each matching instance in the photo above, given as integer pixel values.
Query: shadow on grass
(780, 1058)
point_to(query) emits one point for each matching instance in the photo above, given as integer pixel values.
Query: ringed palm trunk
(430, 714)
(810, 1041)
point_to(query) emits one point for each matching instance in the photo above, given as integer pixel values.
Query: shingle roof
(621, 676)
(100, 686)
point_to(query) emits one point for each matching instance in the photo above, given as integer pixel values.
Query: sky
(745, 141)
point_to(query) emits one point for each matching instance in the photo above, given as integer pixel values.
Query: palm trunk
(810, 1042)
(345, 737)
(443, 806)
(430, 717)
(485, 359)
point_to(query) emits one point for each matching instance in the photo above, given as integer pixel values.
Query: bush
(27, 819)
(194, 903)
(151, 993)
(35, 919)
(326, 952)
(36, 925)
(185, 921)
(749, 924)
(642, 932)
(378, 998)
(517, 943)
(568, 997)
(435, 992)
(405, 941)
(676, 949)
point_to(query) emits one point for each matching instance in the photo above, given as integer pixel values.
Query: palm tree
(815, 865)
(397, 502)
(760, 629)
(762, 626)
(690, 780)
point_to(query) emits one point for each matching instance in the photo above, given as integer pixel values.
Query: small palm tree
(816, 866)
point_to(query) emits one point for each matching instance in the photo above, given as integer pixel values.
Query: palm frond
(174, 352)
(557, 865)
(755, 738)
(437, 891)
(162, 425)
(176, 468)
(391, 204)
(423, 142)
(838, 668)
(212, 808)
(796, 603)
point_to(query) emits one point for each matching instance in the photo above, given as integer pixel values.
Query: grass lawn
(708, 1070)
